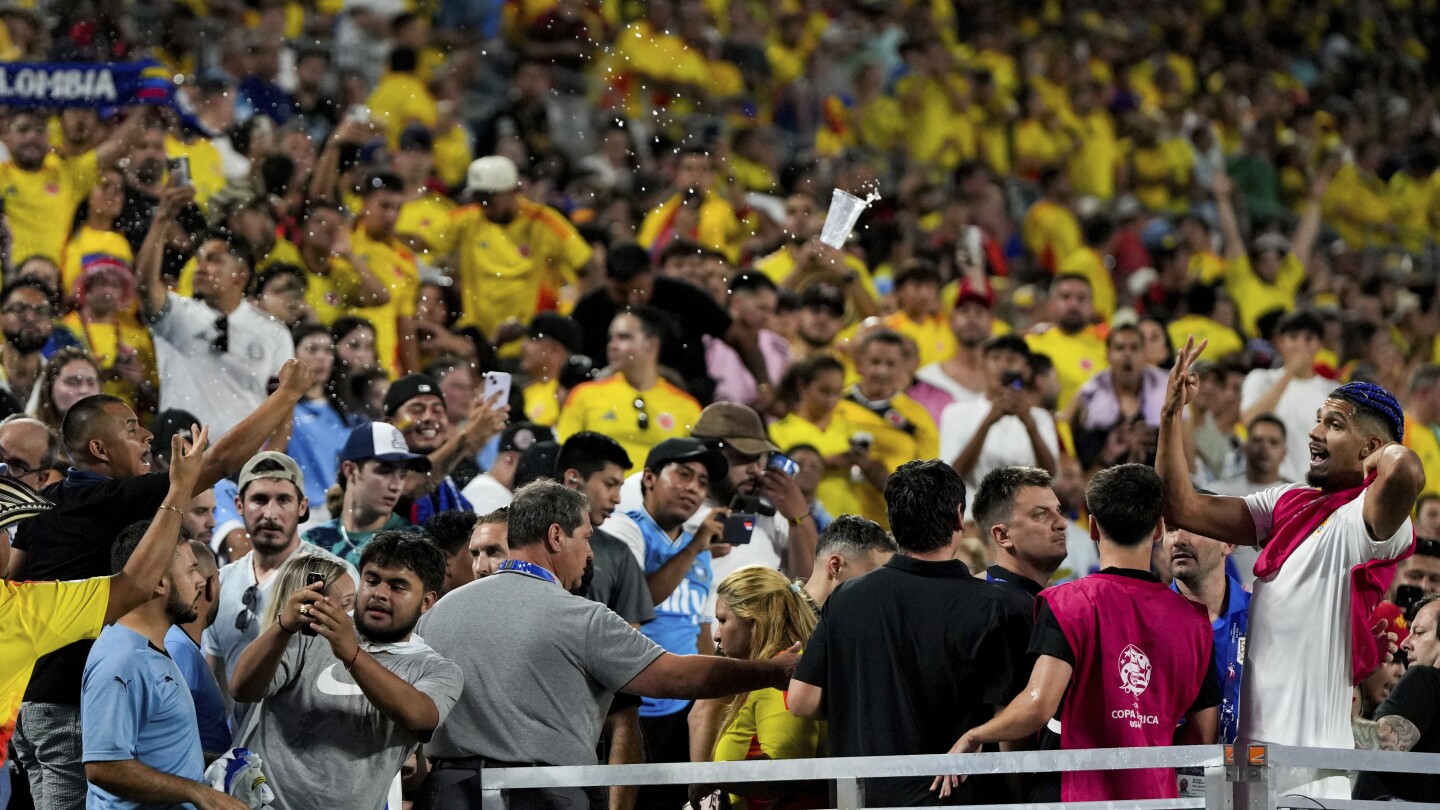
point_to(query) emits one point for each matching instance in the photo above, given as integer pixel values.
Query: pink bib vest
(1141, 654)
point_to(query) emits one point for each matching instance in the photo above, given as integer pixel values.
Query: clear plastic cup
(840, 220)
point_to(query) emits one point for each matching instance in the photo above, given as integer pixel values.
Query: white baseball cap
(494, 174)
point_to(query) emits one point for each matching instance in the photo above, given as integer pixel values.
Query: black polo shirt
(1417, 699)
(911, 656)
(73, 541)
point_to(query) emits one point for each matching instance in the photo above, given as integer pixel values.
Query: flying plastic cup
(840, 220)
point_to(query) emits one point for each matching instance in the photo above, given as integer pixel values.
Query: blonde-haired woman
(759, 614)
(291, 578)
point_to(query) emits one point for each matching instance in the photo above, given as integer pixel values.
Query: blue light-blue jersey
(676, 626)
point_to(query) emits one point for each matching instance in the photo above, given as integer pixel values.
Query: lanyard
(522, 567)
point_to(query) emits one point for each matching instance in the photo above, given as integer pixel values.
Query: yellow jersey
(401, 99)
(206, 171)
(422, 219)
(1092, 166)
(1253, 297)
(719, 228)
(38, 618)
(835, 492)
(1223, 340)
(933, 338)
(779, 265)
(395, 266)
(40, 205)
(1050, 232)
(902, 432)
(1077, 357)
(541, 406)
(85, 245)
(333, 293)
(612, 406)
(103, 341)
(1425, 443)
(1206, 267)
(1086, 261)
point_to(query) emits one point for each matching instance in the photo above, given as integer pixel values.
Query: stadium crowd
(387, 316)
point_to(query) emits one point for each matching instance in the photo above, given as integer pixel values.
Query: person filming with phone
(1012, 431)
(1116, 415)
(307, 684)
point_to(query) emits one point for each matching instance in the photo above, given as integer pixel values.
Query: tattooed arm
(1390, 733)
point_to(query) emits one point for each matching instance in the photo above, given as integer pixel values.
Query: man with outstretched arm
(1328, 554)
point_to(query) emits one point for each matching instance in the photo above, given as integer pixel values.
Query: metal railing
(1238, 778)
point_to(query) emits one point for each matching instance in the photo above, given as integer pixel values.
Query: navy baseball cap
(384, 442)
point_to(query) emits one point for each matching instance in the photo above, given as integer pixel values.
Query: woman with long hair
(809, 392)
(760, 614)
(291, 578)
(69, 376)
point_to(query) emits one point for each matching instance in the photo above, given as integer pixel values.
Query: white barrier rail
(1235, 779)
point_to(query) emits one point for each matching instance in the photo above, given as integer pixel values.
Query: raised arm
(487, 418)
(244, 440)
(1399, 479)
(1304, 242)
(1209, 515)
(123, 139)
(1234, 247)
(148, 261)
(136, 582)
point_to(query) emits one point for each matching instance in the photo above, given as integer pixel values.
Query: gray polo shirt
(541, 667)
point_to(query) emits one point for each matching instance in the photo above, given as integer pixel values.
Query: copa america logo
(1134, 670)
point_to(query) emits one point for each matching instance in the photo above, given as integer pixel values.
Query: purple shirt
(1102, 405)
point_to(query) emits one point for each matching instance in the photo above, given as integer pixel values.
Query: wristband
(796, 521)
(280, 620)
(179, 512)
(350, 667)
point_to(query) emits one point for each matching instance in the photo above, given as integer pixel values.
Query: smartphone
(496, 381)
(179, 168)
(780, 462)
(1406, 596)
(311, 578)
(359, 113)
(739, 528)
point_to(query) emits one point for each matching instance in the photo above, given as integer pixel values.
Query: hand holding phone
(311, 578)
(496, 382)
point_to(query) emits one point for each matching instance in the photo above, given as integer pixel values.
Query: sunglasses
(642, 419)
(251, 600)
(221, 343)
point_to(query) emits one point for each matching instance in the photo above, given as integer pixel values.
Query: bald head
(89, 419)
(28, 443)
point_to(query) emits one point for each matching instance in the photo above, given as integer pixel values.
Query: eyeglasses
(251, 600)
(38, 310)
(642, 419)
(18, 468)
(221, 343)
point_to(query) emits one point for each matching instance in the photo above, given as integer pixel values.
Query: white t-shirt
(220, 389)
(937, 377)
(1296, 688)
(485, 494)
(1244, 557)
(1297, 407)
(1007, 444)
(767, 545)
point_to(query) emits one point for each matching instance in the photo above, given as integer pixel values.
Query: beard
(384, 635)
(177, 610)
(585, 579)
(26, 342)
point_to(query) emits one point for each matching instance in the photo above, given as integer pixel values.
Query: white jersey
(1297, 681)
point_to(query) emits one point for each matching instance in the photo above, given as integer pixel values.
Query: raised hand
(1180, 390)
(296, 378)
(187, 459)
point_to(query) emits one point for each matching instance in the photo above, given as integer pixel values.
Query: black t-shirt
(693, 312)
(73, 541)
(911, 656)
(1417, 699)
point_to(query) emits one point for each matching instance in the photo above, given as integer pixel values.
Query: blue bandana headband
(1376, 399)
